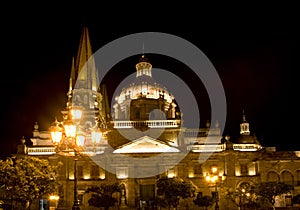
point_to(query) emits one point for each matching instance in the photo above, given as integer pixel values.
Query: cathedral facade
(144, 138)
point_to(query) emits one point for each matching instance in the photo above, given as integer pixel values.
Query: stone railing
(147, 123)
(207, 148)
(41, 150)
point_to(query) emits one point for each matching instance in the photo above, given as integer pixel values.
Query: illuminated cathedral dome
(144, 86)
(142, 96)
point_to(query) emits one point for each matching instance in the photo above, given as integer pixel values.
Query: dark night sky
(258, 76)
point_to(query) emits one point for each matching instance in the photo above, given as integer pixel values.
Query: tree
(102, 195)
(270, 190)
(203, 201)
(242, 196)
(172, 189)
(27, 178)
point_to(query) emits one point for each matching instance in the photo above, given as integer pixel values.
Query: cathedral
(143, 137)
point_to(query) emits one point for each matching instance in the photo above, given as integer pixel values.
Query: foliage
(203, 201)
(27, 178)
(270, 190)
(102, 195)
(260, 195)
(172, 189)
(242, 195)
(159, 201)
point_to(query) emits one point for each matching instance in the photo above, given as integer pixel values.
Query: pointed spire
(105, 111)
(85, 64)
(84, 51)
(84, 86)
(72, 76)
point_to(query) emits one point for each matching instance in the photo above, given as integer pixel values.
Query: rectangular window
(80, 172)
(198, 169)
(244, 169)
(191, 172)
(171, 173)
(95, 172)
(288, 200)
(122, 172)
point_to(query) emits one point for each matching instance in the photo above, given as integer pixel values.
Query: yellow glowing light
(191, 175)
(214, 169)
(122, 176)
(251, 172)
(70, 130)
(56, 132)
(171, 175)
(56, 136)
(86, 177)
(54, 197)
(96, 136)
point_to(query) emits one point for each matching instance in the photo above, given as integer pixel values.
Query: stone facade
(160, 145)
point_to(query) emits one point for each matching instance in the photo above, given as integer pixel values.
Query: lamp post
(67, 137)
(213, 177)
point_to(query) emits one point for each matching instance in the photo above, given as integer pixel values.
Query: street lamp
(67, 137)
(213, 177)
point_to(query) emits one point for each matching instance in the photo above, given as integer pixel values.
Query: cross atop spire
(143, 52)
(244, 116)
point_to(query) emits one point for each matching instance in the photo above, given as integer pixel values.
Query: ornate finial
(143, 59)
(23, 140)
(36, 126)
(217, 124)
(21, 148)
(207, 124)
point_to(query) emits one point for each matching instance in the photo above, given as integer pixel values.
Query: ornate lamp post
(67, 138)
(214, 178)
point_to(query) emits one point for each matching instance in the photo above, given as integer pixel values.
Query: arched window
(297, 178)
(287, 177)
(77, 99)
(85, 99)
